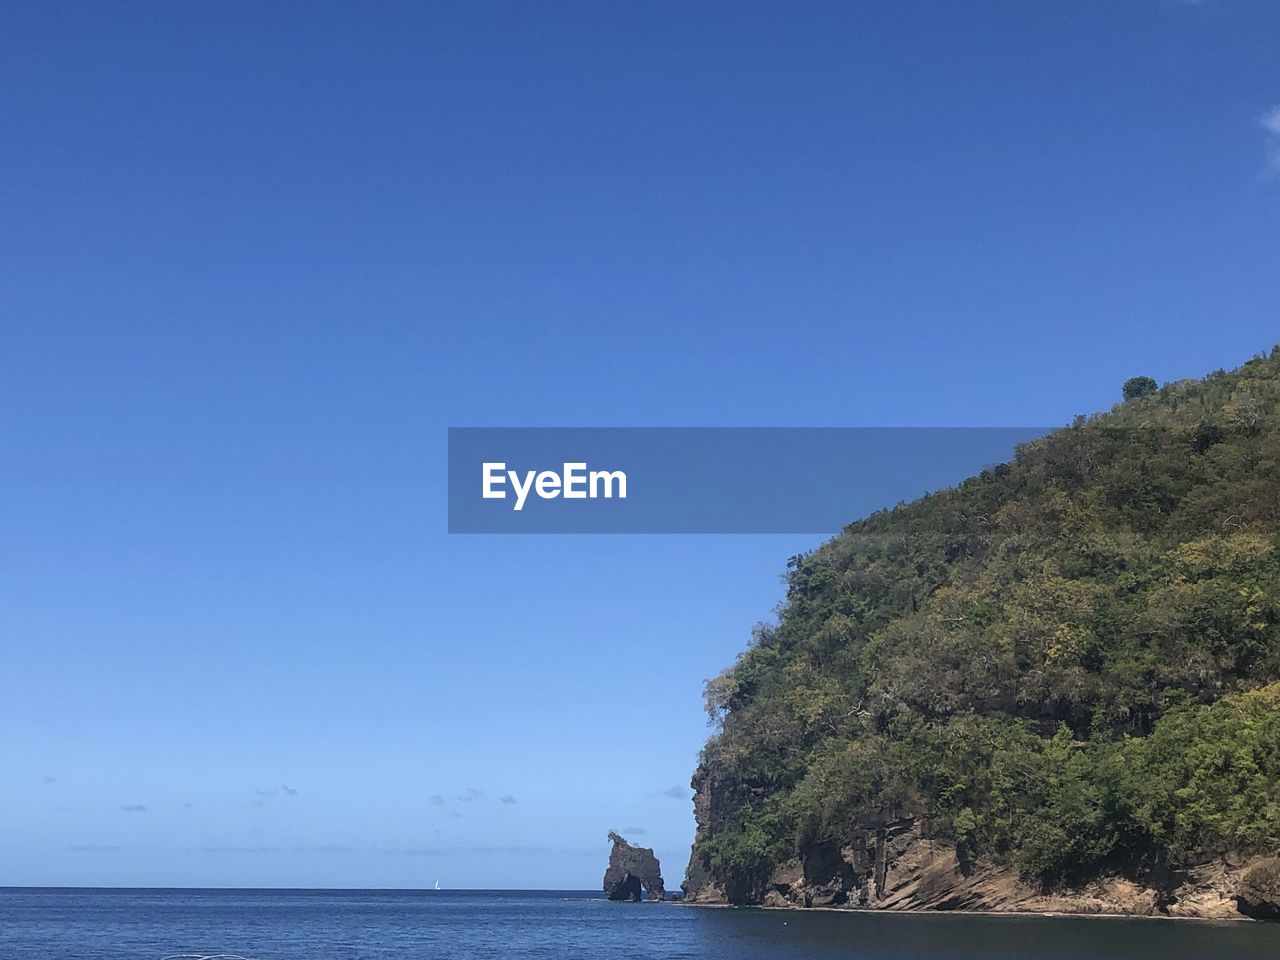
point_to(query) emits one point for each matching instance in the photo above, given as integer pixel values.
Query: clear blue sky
(257, 257)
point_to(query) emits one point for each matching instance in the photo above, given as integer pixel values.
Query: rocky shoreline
(895, 866)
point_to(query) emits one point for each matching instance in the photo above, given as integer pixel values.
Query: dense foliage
(1068, 662)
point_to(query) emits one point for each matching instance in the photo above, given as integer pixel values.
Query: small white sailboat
(437, 884)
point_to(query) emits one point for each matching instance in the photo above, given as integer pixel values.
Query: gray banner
(704, 479)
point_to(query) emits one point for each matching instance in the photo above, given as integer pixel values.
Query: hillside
(1054, 686)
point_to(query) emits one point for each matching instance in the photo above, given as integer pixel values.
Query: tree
(1139, 387)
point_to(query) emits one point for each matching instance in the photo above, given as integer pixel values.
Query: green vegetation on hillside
(1068, 662)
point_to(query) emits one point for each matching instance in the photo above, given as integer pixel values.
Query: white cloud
(1271, 124)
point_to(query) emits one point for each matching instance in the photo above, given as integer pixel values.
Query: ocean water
(62, 924)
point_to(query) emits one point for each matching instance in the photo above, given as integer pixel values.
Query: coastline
(969, 912)
(922, 875)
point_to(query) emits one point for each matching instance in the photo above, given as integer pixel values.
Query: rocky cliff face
(631, 872)
(890, 863)
(1258, 893)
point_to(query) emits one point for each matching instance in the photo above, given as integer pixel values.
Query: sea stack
(630, 870)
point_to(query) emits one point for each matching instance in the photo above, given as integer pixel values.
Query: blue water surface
(60, 924)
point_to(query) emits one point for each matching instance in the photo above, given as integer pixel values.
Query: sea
(119, 924)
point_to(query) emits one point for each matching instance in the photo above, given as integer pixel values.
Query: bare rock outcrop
(892, 863)
(1258, 894)
(631, 872)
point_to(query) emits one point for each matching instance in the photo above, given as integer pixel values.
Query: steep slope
(1053, 681)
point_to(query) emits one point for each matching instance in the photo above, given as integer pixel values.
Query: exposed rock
(628, 888)
(891, 864)
(784, 886)
(828, 878)
(1207, 891)
(630, 869)
(1258, 894)
(698, 886)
